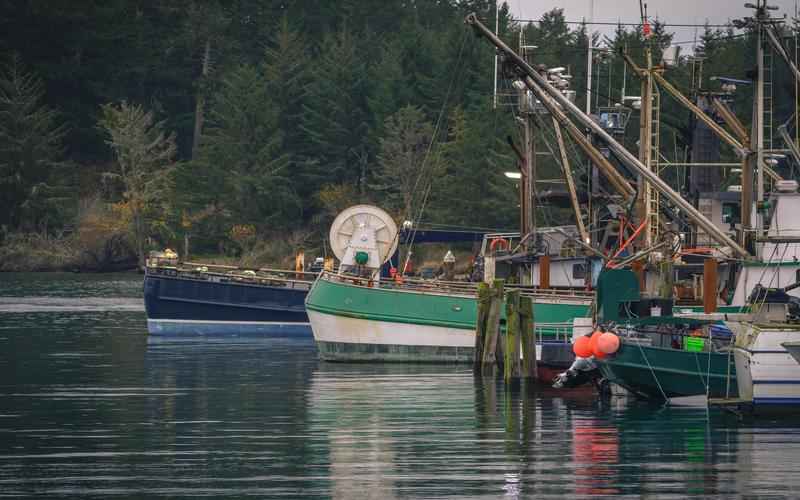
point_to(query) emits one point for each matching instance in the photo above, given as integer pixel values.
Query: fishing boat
(765, 352)
(358, 316)
(188, 299)
(660, 356)
(768, 376)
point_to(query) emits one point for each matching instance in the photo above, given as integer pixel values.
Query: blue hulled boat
(189, 299)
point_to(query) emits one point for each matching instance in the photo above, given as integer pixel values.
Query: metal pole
(496, 31)
(589, 60)
(760, 121)
(573, 195)
(619, 150)
(778, 46)
(530, 181)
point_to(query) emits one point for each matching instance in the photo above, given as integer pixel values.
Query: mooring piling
(491, 332)
(511, 364)
(493, 347)
(527, 327)
(484, 298)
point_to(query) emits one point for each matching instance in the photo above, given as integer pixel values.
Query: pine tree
(407, 161)
(243, 141)
(287, 68)
(31, 152)
(335, 116)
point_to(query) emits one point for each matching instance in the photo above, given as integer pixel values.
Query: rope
(708, 368)
(655, 377)
(700, 373)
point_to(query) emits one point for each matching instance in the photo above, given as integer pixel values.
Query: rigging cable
(437, 127)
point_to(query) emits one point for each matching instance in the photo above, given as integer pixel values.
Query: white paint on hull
(766, 372)
(331, 328)
(346, 330)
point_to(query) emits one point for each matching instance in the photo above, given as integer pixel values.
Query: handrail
(232, 276)
(461, 288)
(240, 268)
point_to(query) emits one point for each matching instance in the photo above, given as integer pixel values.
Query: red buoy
(581, 347)
(608, 343)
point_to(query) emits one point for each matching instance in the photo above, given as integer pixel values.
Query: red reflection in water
(595, 451)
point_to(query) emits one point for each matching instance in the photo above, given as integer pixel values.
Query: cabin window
(797, 276)
(579, 271)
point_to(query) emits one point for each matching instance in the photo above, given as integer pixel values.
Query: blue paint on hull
(197, 307)
(166, 327)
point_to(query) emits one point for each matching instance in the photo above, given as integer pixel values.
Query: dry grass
(35, 252)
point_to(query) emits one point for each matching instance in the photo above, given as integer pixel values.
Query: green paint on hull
(431, 309)
(642, 369)
(352, 352)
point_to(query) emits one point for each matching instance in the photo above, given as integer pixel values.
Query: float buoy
(581, 347)
(608, 343)
(498, 241)
(596, 352)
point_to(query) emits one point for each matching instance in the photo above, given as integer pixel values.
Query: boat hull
(659, 373)
(186, 307)
(768, 374)
(362, 324)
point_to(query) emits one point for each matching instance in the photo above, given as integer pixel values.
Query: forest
(240, 128)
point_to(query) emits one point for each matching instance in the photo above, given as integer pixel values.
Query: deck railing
(465, 288)
(218, 273)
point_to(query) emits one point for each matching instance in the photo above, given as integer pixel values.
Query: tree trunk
(199, 112)
(139, 235)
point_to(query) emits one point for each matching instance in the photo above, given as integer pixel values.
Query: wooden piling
(484, 301)
(511, 363)
(709, 286)
(528, 337)
(544, 271)
(488, 361)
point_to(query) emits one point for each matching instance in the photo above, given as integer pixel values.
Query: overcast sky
(627, 11)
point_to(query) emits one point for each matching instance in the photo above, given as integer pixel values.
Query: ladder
(768, 91)
(653, 163)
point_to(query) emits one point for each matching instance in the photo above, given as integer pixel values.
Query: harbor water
(90, 407)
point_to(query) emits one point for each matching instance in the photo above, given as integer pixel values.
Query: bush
(37, 252)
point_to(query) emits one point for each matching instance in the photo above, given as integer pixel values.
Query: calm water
(89, 408)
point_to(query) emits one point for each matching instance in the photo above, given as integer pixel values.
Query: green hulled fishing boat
(661, 357)
(416, 321)
(662, 373)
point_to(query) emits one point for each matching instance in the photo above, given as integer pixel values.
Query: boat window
(579, 271)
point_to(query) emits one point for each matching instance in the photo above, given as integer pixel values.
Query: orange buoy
(608, 343)
(593, 345)
(498, 241)
(581, 347)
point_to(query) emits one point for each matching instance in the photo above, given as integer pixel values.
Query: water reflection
(90, 407)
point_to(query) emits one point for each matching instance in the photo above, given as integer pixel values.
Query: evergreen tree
(287, 70)
(335, 116)
(31, 152)
(243, 141)
(407, 161)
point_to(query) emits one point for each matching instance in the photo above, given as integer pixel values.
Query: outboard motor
(582, 371)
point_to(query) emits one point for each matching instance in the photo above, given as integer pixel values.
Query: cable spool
(363, 229)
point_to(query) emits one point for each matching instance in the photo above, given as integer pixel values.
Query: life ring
(498, 241)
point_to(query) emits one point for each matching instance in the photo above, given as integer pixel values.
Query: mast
(589, 60)
(496, 55)
(542, 89)
(759, 119)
